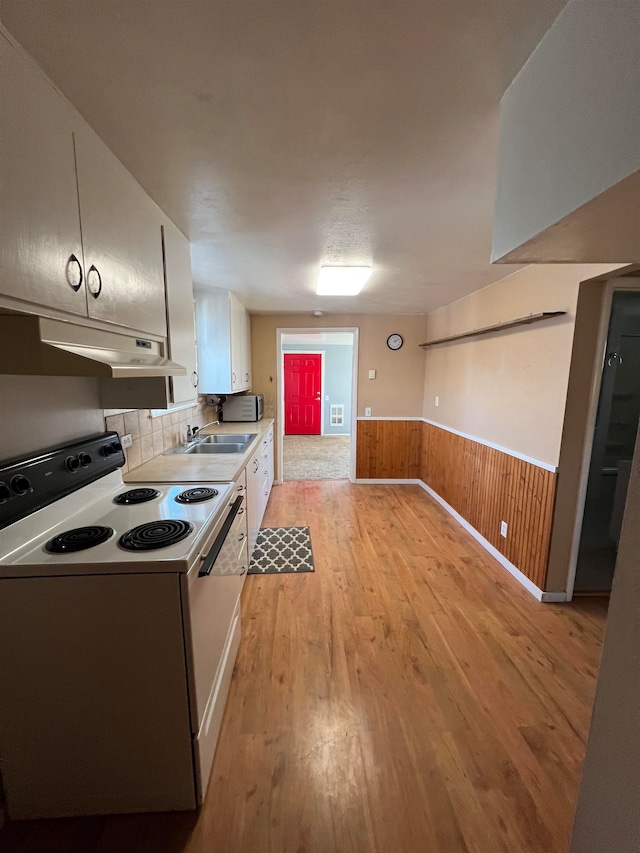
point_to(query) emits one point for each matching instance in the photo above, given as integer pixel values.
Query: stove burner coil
(155, 534)
(137, 496)
(78, 539)
(194, 496)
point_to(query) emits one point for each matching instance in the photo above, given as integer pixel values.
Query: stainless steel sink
(221, 443)
(211, 448)
(243, 438)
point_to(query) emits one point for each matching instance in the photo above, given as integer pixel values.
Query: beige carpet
(316, 457)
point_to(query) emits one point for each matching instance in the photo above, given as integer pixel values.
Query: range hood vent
(38, 346)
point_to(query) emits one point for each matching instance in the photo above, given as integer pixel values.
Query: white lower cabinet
(259, 482)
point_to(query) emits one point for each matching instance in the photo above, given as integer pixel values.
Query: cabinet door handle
(257, 465)
(73, 273)
(241, 538)
(243, 570)
(93, 290)
(246, 377)
(240, 488)
(233, 378)
(194, 379)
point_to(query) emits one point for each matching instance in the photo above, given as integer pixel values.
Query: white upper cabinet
(224, 345)
(79, 234)
(40, 246)
(181, 342)
(246, 349)
(121, 240)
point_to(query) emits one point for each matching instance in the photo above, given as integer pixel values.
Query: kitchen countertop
(199, 468)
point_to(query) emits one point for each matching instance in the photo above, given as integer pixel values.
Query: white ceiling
(280, 135)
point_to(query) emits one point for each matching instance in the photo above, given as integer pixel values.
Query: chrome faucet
(194, 432)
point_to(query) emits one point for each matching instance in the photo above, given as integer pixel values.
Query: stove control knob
(5, 493)
(20, 485)
(71, 463)
(117, 447)
(84, 459)
(108, 450)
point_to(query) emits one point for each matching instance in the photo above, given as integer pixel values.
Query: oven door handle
(212, 556)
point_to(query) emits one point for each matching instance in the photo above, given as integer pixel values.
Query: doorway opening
(614, 440)
(317, 403)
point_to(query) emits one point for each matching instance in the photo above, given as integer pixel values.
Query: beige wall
(397, 389)
(38, 412)
(509, 387)
(607, 817)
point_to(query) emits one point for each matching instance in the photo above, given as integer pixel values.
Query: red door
(302, 393)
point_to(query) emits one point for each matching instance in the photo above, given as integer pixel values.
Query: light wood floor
(408, 697)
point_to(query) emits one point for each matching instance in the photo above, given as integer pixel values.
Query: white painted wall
(570, 122)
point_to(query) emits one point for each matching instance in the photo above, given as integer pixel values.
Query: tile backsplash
(153, 436)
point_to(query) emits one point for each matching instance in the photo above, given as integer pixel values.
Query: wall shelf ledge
(497, 327)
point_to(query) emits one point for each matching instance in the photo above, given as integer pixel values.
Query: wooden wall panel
(388, 450)
(487, 486)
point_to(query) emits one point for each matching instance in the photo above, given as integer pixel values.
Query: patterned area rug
(316, 457)
(282, 550)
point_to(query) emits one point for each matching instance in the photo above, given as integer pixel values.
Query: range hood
(39, 346)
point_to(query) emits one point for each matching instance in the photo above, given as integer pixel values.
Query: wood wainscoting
(487, 486)
(388, 450)
(482, 484)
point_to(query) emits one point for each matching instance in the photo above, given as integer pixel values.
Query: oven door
(213, 586)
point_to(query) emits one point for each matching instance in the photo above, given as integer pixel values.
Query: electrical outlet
(437, 401)
(367, 412)
(126, 440)
(503, 528)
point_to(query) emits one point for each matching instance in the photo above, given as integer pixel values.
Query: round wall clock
(394, 341)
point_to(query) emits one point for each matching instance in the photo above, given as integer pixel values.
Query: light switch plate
(503, 528)
(367, 412)
(126, 440)
(372, 374)
(437, 401)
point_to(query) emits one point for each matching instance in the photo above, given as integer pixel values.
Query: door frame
(613, 285)
(355, 331)
(321, 353)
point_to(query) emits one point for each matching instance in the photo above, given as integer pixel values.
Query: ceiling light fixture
(341, 281)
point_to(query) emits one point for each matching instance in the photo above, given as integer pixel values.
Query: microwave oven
(244, 407)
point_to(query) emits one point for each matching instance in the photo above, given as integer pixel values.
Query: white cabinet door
(40, 247)
(253, 499)
(224, 355)
(214, 341)
(246, 351)
(270, 457)
(121, 240)
(181, 341)
(236, 310)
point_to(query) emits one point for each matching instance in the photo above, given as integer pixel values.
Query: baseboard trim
(382, 482)
(554, 597)
(513, 570)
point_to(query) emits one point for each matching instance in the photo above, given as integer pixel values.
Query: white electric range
(119, 628)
